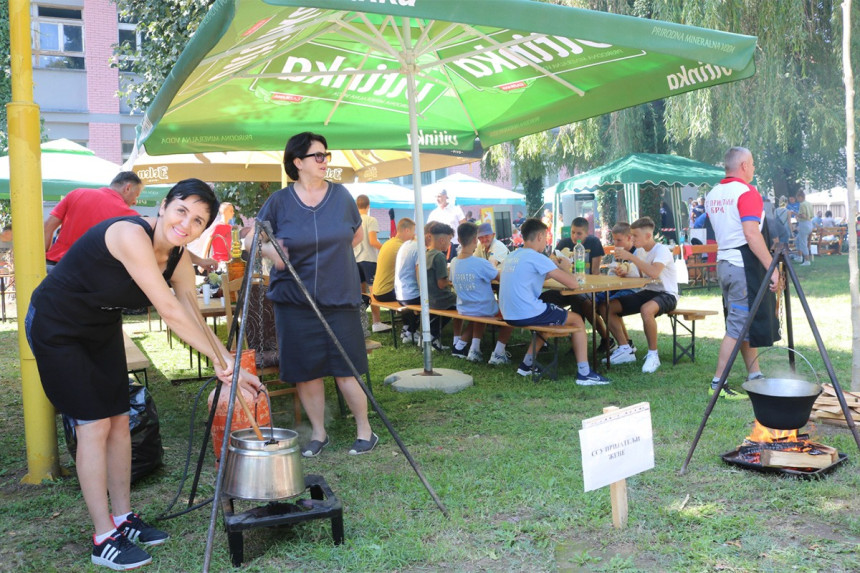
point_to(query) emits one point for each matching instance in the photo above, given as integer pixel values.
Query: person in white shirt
(489, 247)
(653, 260)
(450, 215)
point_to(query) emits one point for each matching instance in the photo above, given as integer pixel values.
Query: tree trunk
(850, 182)
(534, 196)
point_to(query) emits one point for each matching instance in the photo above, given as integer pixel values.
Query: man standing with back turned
(83, 208)
(735, 209)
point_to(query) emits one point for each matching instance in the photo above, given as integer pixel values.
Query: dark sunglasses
(319, 156)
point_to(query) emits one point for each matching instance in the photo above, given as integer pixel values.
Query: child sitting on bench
(472, 277)
(653, 260)
(521, 282)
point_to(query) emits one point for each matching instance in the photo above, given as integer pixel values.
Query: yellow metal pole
(25, 184)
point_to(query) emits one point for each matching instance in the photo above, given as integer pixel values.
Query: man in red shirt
(83, 208)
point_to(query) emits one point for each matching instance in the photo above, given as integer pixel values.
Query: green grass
(504, 457)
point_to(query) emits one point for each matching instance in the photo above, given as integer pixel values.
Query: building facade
(75, 84)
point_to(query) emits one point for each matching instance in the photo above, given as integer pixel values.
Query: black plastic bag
(146, 451)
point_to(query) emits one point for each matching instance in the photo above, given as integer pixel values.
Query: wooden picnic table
(594, 284)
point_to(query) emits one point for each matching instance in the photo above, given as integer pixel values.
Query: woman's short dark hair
(195, 188)
(297, 146)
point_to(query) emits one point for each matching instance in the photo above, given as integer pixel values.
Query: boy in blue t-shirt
(521, 282)
(472, 277)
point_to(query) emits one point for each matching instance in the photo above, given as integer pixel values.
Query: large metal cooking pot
(782, 403)
(263, 470)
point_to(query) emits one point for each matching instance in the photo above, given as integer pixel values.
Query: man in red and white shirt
(736, 211)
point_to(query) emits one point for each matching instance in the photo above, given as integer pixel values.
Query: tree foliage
(6, 78)
(166, 26)
(788, 114)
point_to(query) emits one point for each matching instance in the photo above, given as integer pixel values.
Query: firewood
(838, 415)
(782, 459)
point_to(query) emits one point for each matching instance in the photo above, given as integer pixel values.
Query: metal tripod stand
(238, 329)
(781, 255)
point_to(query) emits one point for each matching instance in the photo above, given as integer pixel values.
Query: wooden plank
(781, 459)
(134, 357)
(618, 494)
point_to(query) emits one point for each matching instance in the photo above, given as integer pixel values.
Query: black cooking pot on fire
(782, 403)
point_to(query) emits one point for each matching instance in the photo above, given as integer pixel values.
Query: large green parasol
(420, 75)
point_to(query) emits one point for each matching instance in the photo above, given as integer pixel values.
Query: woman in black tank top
(74, 326)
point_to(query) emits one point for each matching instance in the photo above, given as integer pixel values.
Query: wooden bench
(679, 349)
(828, 239)
(392, 307)
(545, 332)
(700, 270)
(136, 360)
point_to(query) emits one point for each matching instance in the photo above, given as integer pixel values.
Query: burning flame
(764, 434)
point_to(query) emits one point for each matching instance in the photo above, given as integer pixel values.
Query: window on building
(127, 148)
(131, 37)
(58, 38)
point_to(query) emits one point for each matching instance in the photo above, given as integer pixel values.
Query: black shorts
(632, 303)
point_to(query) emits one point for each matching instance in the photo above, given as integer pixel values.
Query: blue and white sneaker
(138, 531)
(503, 358)
(591, 379)
(475, 356)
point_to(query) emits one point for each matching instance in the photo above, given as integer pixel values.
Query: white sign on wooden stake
(616, 445)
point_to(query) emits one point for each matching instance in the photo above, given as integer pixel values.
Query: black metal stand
(781, 255)
(323, 504)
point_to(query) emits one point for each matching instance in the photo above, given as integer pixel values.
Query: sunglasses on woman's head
(319, 156)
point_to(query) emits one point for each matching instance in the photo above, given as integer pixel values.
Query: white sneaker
(495, 359)
(475, 356)
(652, 363)
(805, 264)
(406, 337)
(381, 327)
(621, 356)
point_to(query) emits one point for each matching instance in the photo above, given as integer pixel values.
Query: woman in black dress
(74, 326)
(318, 224)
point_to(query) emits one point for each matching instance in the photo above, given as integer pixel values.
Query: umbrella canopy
(467, 190)
(645, 168)
(495, 69)
(385, 195)
(420, 75)
(345, 166)
(65, 167)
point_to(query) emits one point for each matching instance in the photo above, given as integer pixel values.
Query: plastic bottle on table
(579, 262)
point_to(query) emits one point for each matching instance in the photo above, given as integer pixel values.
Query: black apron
(764, 330)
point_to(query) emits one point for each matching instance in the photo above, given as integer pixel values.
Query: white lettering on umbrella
(435, 139)
(690, 77)
(512, 57)
(300, 70)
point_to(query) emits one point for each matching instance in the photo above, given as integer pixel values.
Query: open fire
(783, 451)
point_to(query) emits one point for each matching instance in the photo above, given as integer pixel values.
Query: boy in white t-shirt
(520, 285)
(653, 260)
(472, 277)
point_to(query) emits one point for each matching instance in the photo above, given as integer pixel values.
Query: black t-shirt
(593, 248)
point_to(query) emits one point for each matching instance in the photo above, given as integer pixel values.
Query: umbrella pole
(267, 228)
(419, 207)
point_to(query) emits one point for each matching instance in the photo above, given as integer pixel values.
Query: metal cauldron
(782, 403)
(264, 470)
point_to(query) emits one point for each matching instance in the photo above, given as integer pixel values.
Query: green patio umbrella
(420, 74)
